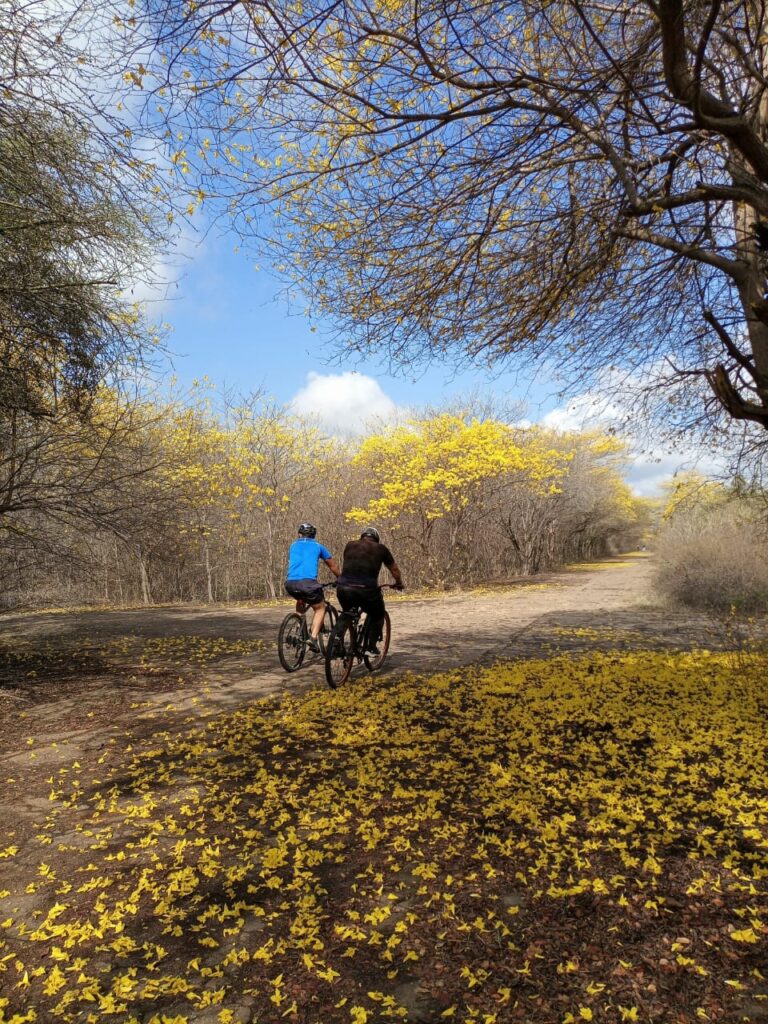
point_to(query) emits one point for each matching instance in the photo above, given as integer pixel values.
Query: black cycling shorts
(305, 590)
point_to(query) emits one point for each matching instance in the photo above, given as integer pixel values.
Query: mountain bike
(347, 642)
(293, 636)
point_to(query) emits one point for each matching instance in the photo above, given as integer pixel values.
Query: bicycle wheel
(329, 621)
(340, 653)
(291, 641)
(374, 661)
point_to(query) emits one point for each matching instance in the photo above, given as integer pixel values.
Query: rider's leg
(317, 619)
(373, 634)
(348, 597)
(374, 606)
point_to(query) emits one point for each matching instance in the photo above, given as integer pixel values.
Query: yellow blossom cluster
(435, 465)
(484, 845)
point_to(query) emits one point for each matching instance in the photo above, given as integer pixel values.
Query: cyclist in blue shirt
(301, 581)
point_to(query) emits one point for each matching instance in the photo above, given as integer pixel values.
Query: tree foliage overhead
(78, 229)
(572, 180)
(69, 245)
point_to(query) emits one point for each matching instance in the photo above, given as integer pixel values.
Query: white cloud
(582, 412)
(648, 471)
(651, 463)
(159, 285)
(343, 403)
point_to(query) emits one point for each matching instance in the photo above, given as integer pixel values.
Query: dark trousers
(372, 603)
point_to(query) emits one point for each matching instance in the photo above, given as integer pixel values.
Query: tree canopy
(80, 220)
(574, 181)
(79, 227)
(68, 245)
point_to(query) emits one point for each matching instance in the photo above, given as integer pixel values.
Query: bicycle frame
(295, 630)
(347, 645)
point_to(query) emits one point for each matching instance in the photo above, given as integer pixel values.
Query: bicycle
(294, 633)
(346, 645)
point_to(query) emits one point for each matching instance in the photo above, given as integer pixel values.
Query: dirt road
(74, 685)
(80, 691)
(198, 656)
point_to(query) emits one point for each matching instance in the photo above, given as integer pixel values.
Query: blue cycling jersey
(303, 556)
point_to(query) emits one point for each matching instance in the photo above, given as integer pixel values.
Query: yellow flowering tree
(592, 510)
(691, 491)
(215, 471)
(295, 466)
(434, 471)
(72, 474)
(239, 472)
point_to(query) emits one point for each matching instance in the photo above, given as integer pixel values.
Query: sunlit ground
(554, 841)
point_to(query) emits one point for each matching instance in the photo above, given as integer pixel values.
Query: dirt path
(202, 657)
(90, 687)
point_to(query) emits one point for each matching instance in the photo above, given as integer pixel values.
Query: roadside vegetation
(171, 500)
(712, 546)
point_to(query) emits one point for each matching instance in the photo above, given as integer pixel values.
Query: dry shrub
(715, 558)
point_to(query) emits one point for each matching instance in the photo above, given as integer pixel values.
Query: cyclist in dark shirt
(358, 585)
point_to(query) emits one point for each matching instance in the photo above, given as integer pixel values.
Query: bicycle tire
(373, 662)
(291, 641)
(340, 653)
(329, 621)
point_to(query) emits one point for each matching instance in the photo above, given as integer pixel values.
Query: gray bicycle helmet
(372, 532)
(307, 530)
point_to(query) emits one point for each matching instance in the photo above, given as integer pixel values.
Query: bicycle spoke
(339, 654)
(375, 661)
(291, 642)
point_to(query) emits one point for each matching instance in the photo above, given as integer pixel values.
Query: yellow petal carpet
(557, 840)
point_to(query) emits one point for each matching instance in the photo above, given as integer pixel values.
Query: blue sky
(232, 324)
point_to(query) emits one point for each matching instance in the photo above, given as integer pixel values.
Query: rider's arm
(333, 566)
(396, 576)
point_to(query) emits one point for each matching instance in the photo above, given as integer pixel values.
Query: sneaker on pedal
(373, 649)
(313, 645)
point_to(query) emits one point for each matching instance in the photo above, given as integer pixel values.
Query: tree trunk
(208, 573)
(118, 575)
(269, 576)
(752, 294)
(146, 589)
